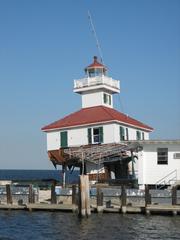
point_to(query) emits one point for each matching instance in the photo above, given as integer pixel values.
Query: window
(138, 135)
(107, 98)
(176, 155)
(162, 156)
(122, 133)
(63, 137)
(95, 135)
(127, 134)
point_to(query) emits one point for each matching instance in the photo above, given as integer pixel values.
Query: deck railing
(97, 80)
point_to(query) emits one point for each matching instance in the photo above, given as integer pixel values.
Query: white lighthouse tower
(96, 88)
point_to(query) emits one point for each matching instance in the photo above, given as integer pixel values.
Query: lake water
(35, 175)
(17, 225)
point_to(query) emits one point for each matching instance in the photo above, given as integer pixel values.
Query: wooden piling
(74, 198)
(99, 199)
(74, 194)
(31, 194)
(174, 195)
(53, 193)
(64, 168)
(147, 196)
(9, 194)
(123, 199)
(87, 193)
(84, 199)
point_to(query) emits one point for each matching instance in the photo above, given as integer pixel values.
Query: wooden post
(31, 194)
(147, 196)
(84, 201)
(74, 194)
(79, 196)
(53, 193)
(132, 159)
(82, 196)
(123, 199)
(99, 196)
(74, 197)
(64, 175)
(174, 195)
(99, 199)
(87, 199)
(9, 194)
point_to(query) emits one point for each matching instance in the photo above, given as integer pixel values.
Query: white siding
(131, 133)
(146, 136)
(92, 99)
(150, 172)
(53, 140)
(109, 133)
(78, 136)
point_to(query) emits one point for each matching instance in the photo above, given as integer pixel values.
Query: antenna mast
(95, 36)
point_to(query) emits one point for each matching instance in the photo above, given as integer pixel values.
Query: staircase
(169, 180)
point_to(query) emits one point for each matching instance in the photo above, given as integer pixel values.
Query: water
(36, 175)
(17, 225)
(24, 225)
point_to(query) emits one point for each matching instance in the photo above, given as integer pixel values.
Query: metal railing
(169, 179)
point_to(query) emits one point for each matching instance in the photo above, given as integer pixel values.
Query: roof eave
(95, 123)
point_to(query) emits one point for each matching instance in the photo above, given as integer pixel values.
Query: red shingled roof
(93, 115)
(96, 64)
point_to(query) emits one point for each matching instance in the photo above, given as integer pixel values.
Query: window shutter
(89, 136)
(142, 135)
(101, 135)
(127, 134)
(64, 142)
(121, 133)
(138, 135)
(105, 98)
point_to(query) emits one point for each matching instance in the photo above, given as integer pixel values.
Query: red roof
(95, 115)
(95, 64)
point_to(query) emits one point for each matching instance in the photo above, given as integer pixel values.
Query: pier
(150, 209)
(100, 198)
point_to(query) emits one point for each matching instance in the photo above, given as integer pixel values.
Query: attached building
(158, 162)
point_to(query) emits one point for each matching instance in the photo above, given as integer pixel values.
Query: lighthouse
(96, 121)
(96, 88)
(98, 133)
(95, 125)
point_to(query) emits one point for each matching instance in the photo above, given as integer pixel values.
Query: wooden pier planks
(154, 209)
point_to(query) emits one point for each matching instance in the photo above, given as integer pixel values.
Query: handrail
(162, 180)
(86, 82)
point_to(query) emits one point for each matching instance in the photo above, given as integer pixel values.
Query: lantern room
(95, 69)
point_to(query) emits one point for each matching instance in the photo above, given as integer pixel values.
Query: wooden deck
(150, 209)
(163, 209)
(50, 207)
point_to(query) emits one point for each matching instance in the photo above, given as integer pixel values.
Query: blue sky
(45, 45)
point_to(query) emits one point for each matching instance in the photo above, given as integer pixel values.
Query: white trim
(164, 141)
(100, 123)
